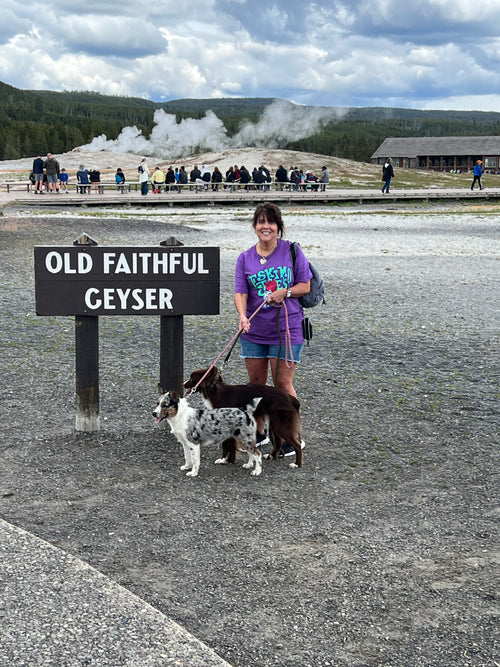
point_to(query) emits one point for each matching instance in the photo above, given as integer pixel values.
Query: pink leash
(233, 339)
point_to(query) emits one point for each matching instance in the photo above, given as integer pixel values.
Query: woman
(216, 178)
(143, 176)
(265, 272)
(387, 175)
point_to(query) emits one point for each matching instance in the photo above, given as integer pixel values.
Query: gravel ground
(382, 549)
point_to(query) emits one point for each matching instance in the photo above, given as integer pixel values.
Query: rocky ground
(107, 162)
(382, 549)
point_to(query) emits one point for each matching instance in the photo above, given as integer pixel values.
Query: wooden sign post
(87, 364)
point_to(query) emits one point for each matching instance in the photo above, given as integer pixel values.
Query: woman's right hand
(244, 324)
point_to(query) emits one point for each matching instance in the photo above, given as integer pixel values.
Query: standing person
(387, 174)
(324, 178)
(266, 272)
(82, 176)
(38, 174)
(143, 176)
(478, 172)
(51, 166)
(64, 178)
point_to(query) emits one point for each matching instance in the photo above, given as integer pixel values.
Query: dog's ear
(213, 374)
(160, 390)
(174, 396)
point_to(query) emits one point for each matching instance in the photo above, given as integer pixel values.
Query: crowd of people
(260, 178)
(47, 176)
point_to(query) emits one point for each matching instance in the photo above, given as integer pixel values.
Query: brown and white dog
(194, 427)
(281, 409)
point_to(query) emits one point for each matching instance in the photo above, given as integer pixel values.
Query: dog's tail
(252, 406)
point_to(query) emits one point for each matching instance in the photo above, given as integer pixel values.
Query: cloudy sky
(426, 54)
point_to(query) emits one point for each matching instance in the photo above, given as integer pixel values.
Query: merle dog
(194, 427)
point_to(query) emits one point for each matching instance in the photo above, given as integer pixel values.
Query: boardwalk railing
(134, 186)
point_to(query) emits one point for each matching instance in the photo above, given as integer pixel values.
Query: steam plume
(280, 123)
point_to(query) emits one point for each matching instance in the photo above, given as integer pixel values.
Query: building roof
(413, 147)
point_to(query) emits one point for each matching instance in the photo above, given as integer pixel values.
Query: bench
(134, 186)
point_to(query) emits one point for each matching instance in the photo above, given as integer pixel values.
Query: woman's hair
(272, 213)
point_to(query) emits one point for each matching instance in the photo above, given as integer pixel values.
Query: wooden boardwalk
(226, 197)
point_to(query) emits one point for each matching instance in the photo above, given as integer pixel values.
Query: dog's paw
(249, 464)
(293, 465)
(186, 467)
(221, 462)
(192, 473)
(268, 457)
(254, 473)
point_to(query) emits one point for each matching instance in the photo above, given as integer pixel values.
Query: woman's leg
(257, 370)
(284, 381)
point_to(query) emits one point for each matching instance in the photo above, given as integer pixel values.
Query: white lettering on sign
(55, 262)
(109, 298)
(145, 263)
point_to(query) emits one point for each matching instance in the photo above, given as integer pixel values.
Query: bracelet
(289, 293)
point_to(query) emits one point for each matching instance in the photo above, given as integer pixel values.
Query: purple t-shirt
(251, 278)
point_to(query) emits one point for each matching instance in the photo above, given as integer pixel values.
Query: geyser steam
(280, 122)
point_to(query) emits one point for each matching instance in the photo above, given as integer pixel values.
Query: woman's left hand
(278, 296)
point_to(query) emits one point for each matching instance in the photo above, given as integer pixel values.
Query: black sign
(93, 280)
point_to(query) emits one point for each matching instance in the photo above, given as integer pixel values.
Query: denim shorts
(258, 351)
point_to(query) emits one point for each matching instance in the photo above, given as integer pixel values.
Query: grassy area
(363, 175)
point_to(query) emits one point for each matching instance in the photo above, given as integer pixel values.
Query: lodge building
(440, 153)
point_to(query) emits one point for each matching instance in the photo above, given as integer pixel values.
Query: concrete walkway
(58, 611)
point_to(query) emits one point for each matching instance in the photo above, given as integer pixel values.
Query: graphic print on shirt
(281, 275)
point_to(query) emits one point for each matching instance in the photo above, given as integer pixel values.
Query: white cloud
(334, 52)
(111, 36)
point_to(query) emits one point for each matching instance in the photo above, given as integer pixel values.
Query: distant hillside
(35, 121)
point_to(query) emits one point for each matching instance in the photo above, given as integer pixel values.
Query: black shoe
(288, 450)
(262, 438)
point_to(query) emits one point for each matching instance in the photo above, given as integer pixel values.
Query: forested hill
(34, 122)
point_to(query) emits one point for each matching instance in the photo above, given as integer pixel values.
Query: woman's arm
(240, 301)
(299, 289)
